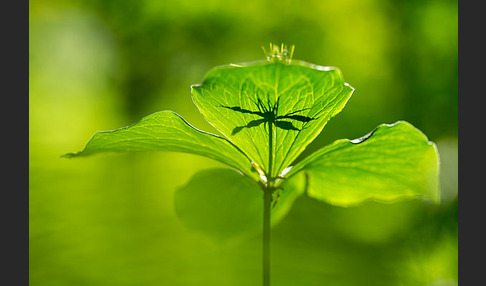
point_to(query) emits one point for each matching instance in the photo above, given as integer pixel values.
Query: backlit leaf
(167, 131)
(293, 101)
(226, 205)
(392, 162)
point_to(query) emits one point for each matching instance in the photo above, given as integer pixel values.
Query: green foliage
(392, 162)
(110, 219)
(268, 112)
(166, 131)
(296, 100)
(227, 206)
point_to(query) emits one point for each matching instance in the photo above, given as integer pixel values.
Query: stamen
(279, 54)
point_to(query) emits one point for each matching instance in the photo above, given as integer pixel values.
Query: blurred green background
(110, 220)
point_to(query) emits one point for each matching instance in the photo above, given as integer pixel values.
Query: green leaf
(392, 162)
(167, 131)
(293, 101)
(227, 206)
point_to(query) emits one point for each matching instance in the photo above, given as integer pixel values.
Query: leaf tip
(68, 155)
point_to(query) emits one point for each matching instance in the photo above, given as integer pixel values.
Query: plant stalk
(267, 201)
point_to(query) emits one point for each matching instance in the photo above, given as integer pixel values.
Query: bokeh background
(110, 220)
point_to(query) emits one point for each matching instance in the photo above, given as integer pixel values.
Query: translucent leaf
(167, 131)
(271, 111)
(228, 206)
(392, 162)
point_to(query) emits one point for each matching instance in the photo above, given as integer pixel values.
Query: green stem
(267, 201)
(270, 154)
